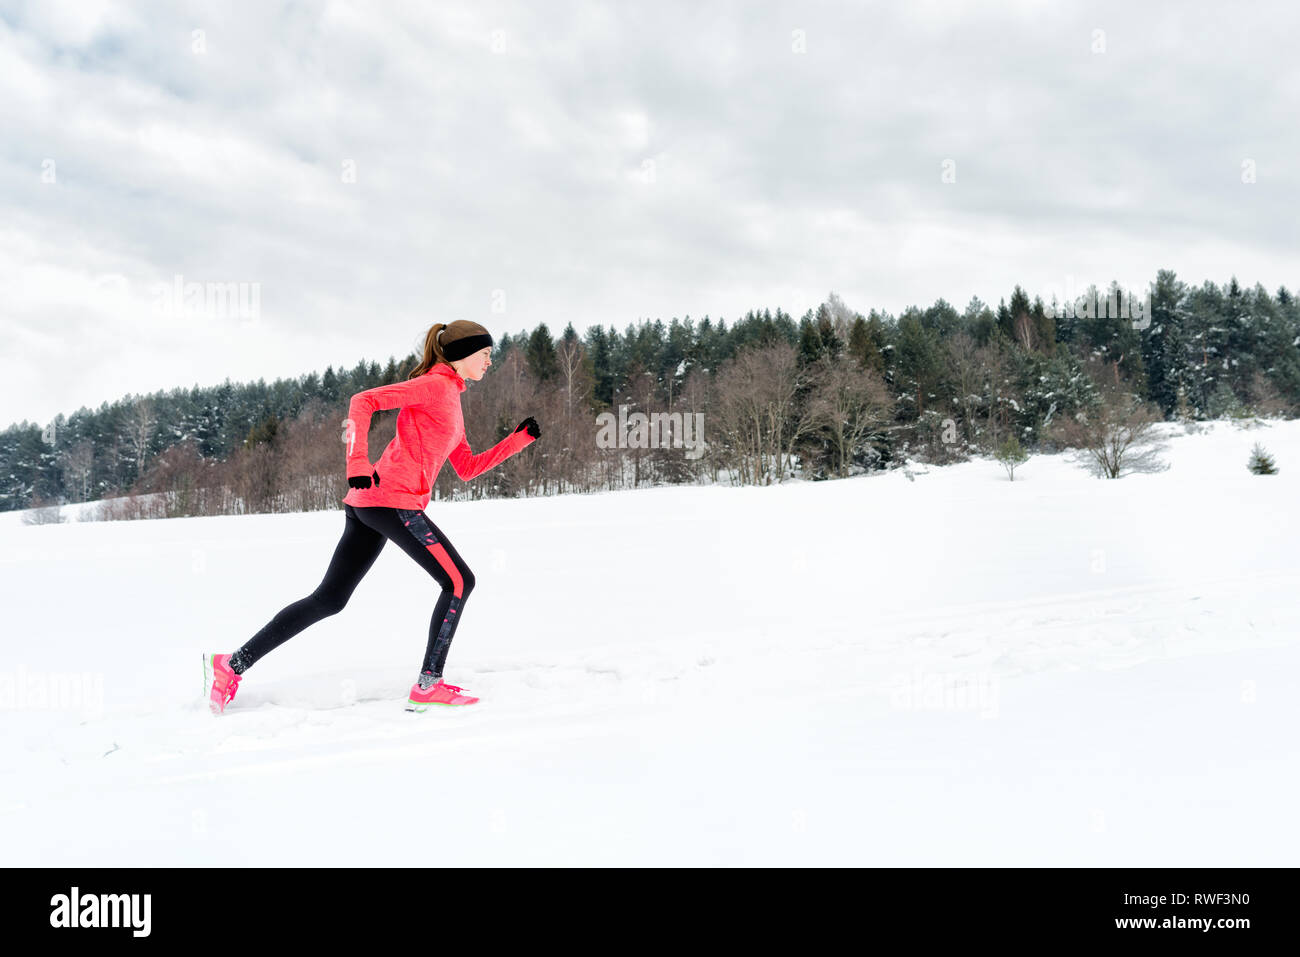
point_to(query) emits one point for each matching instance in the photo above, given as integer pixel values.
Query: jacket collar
(447, 371)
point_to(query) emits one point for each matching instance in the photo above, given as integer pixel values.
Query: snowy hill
(950, 670)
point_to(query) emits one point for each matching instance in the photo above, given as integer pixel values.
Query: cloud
(377, 168)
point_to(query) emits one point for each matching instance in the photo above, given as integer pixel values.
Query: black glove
(363, 481)
(530, 426)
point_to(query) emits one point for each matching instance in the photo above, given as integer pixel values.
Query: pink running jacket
(430, 430)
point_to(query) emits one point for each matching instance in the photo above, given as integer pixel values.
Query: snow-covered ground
(950, 670)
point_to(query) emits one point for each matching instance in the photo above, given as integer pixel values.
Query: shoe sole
(422, 706)
(207, 684)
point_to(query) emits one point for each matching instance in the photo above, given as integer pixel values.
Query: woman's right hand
(530, 426)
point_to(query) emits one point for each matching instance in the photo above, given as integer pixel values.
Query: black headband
(461, 348)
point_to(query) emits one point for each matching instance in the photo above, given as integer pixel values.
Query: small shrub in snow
(44, 513)
(1010, 454)
(1261, 463)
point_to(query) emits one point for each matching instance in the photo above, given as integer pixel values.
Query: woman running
(430, 430)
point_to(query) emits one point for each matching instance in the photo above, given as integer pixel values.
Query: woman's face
(474, 365)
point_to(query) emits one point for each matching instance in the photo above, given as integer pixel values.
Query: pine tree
(1204, 345)
(811, 347)
(1241, 333)
(1010, 454)
(1223, 403)
(919, 363)
(978, 321)
(826, 332)
(678, 351)
(264, 432)
(1049, 388)
(1164, 345)
(1112, 337)
(1285, 363)
(1009, 315)
(1261, 463)
(599, 349)
(540, 353)
(1044, 327)
(706, 350)
(941, 319)
(329, 384)
(867, 342)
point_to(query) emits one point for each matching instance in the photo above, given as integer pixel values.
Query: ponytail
(432, 353)
(460, 338)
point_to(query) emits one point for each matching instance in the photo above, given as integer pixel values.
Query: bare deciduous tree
(1266, 399)
(963, 360)
(138, 425)
(569, 356)
(995, 369)
(849, 402)
(757, 412)
(1116, 437)
(1026, 334)
(78, 461)
(308, 473)
(571, 438)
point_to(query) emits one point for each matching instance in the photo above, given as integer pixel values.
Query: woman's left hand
(530, 426)
(363, 481)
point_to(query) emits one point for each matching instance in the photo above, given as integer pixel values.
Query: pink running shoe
(437, 692)
(219, 682)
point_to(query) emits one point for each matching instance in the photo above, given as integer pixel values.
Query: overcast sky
(367, 169)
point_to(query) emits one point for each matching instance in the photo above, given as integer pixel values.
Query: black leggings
(364, 533)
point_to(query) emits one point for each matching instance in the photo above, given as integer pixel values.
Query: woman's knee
(459, 581)
(331, 602)
(459, 584)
